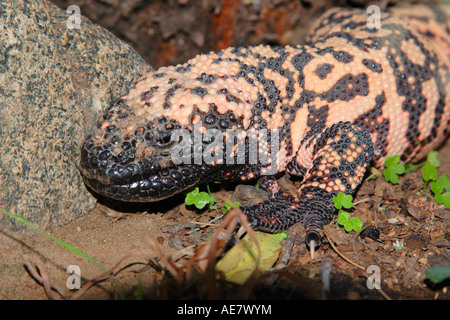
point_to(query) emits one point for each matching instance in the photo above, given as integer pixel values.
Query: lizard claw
(312, 248)
(313, 239)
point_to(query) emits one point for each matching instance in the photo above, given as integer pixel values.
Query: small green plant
(399, 245)
(228, 205)
(393, 169)
(200, 199)
(438, 274)
(429, 170)
(342, 200)
(282, 234)
(349, 223)
(438, 188)
(429, 175)
(344, 219)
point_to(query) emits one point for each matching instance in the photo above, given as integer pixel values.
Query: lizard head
(140, 151)
(133, 162)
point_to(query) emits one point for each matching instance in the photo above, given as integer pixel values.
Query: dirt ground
(414, 231)
(109, 235)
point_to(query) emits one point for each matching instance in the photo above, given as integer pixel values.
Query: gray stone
(54, 82)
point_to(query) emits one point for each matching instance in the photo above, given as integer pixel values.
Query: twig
(285, 256)
(341, 255)
(384, 294)
(204, 224)
(361, 201)
(41, 276)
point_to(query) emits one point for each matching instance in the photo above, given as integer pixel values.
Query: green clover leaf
(437, 187)
(393, 168)
(343, 217)
(429, 172)
(443, 199)
(445, 182)
(353, 223)
(228, 205)
(432, 158)
(342, 200)
(199, 199)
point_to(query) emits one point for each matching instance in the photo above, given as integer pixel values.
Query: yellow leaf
(240, 261)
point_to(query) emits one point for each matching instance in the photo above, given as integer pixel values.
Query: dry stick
(361, 201)
(103, 276)
(286, 255)
(204, 224)
(165, 261)
(212, 223)
(207, 254)
(225, 230)
(244, 222)
(384, 294)
(45, 279)
(218, 239)
(341, 255)
(42, 277)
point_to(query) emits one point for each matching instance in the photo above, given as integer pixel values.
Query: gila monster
(344, 100)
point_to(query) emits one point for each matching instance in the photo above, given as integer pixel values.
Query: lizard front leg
(333, 160)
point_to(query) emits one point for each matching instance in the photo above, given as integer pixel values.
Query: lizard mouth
(138, 181)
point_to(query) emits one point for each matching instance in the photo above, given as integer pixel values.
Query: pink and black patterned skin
(343, 101)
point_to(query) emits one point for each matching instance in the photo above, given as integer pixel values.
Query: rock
(248, 195)
(54, 82)
(175, 243)
(371, 232)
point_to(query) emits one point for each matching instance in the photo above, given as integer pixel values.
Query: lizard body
(347, 98)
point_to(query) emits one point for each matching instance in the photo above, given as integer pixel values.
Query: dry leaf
(240, 261)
